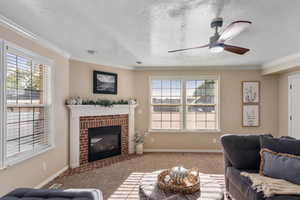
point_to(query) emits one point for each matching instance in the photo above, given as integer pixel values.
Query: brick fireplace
(84, 118)
(89, 123)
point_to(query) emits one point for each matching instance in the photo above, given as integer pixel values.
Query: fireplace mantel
(77, 111)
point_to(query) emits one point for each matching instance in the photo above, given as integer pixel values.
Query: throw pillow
(280, 166)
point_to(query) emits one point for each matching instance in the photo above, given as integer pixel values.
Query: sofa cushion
(239, 147)
(49, 194)
(283, 145)
(280, 166)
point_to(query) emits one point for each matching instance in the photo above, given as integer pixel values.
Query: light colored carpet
(121, 180)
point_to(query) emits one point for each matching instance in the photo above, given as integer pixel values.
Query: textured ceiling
(125, 31)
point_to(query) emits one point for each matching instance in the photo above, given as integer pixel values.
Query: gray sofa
(241, 153)
(50, 194)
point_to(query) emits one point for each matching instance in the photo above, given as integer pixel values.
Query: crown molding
(282, 61)
(7, 23)
(164, 68)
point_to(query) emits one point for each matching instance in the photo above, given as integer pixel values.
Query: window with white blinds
(27, 92)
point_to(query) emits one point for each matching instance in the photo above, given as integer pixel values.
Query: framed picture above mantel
(105, 82)
(250, 103)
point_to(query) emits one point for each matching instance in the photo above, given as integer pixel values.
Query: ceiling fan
(217, 41)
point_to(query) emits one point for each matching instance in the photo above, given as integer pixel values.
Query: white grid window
(27, 104)
(166, 104)
(184, 104)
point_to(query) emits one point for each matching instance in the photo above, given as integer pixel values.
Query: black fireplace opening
(104, 142)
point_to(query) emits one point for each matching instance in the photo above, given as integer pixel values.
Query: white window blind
(184, 103)
(28, 105)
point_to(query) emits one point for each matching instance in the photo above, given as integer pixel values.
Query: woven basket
(191, 182)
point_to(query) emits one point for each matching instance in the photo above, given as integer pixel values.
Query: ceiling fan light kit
(218, 48)
(217, 41)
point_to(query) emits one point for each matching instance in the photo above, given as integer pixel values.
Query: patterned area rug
(121, 180)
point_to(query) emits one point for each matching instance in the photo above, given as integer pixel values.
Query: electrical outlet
(215, 140)
(44, 166)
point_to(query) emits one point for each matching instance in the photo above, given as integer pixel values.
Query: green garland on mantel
(104, 102)
(98, 102)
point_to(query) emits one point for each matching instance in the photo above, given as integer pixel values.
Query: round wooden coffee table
(210, 189)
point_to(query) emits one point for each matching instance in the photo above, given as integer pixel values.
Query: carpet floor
(121, 180)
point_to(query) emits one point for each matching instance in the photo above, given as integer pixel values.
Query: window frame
(4, 162)
(183, 108)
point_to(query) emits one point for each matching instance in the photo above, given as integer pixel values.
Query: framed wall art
(105, 82)
(251, 91)
(251, 116)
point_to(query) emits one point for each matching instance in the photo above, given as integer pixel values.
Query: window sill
(184, 131)
(26, 156)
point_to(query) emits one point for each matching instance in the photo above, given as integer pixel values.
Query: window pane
(191, 92)
(191, 84)
(166, 92)
(211, 125)
(176, 84)
(26, 114)
(26, 128)
(166, 84)
(156, 92)
(202, 91)
(166, 117)
(175, 92)
(201, 117)
(156, 84)
(175, 125)
(12, 115)
(12, 131)
(201, 125)
(156, 124)
(175, 116)
(165, 124)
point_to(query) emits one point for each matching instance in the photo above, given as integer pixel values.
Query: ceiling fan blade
(233, 29)
(235, 49)
(172, 51)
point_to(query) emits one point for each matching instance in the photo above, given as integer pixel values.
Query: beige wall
(81, 80)
(230, 105)
(283, 102)
(30, 173)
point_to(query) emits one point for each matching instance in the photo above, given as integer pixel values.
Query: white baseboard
(185, 150)
(50, 178)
